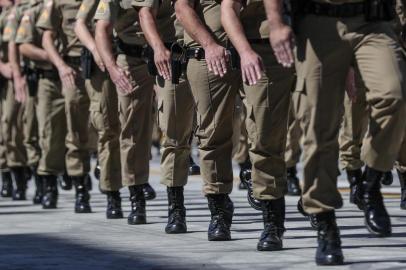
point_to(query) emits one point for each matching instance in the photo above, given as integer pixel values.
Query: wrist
(275, 23)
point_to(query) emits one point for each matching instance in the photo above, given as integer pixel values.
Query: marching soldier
(331, 37)
(267, 87)
(214, 88)
(134, 86)
(175, 102)
(103, 109)
(5, 77)
(14, 109)
(30, 100)
(50, 104)
(57, 22)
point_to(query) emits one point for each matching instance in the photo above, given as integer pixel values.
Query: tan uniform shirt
(59, 16)
(254, 20)
(87, 11)
(124, 19)
(28, 33)
(13, 20)
(209, 12)
(169, 28)
(3, 44)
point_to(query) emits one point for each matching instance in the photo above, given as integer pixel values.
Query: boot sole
(379, 234)
(270, 248)
(137, 222)
(219, 239)
(115, 217)
(49, 207)
(175, 232)
(339, 261)
(83, 211)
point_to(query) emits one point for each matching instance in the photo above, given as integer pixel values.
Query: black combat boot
(39, 187)
(247, 180)
(50, 198)
(377, 219)
(176, 211)
(245, 168)
(7, 184)
(402, 180)
(20, 180)
(387, 178)
(329, 244)
(355, 180)
(194, 169)
(293, 182)
(149, 192)
(65, 181)
(114, 210)
(273, 214)
(222, 210)
(96, 171)
(82, 195)
(138, 213)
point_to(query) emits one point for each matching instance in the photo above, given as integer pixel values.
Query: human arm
(280, 34)
(162, 56)
(84, 35)
(215, 54)
(251, 62)
(120, 78)
(66, 73)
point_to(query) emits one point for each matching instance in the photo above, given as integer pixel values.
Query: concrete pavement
(32, 238)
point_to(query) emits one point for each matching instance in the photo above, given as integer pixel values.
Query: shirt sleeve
(106, 10)
(50, 18)
(11, 26)
(87, 10)
(146, 3)
(25, 32)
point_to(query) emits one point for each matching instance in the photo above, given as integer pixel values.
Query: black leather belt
(258, 41)
(72, 60)
(132, 50)
(50, 74)
(195, 53)
(341, 10)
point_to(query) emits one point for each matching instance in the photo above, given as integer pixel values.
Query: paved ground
(31, 238)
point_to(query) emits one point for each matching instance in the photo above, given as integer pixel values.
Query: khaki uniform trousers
(135, 111)
(267, 122)
(3, 147)
(293, 148)
(215, 102)
(51, 126)
(13, 130)
(77, 118)
(325, 56)
(353, 128)
(30, 128)
(240, 134)
(175, 118)
(104, 119)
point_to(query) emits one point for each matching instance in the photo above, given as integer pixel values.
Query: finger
(244, 78)
(217, 68)
(159, 69)
(289, 52)
(248, 79)
(223, 65)
(253, 75)
(167, 69)
(209, 65)
(282, 55)
(258, 71)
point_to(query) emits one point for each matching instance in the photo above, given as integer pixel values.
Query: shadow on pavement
(39, 252)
